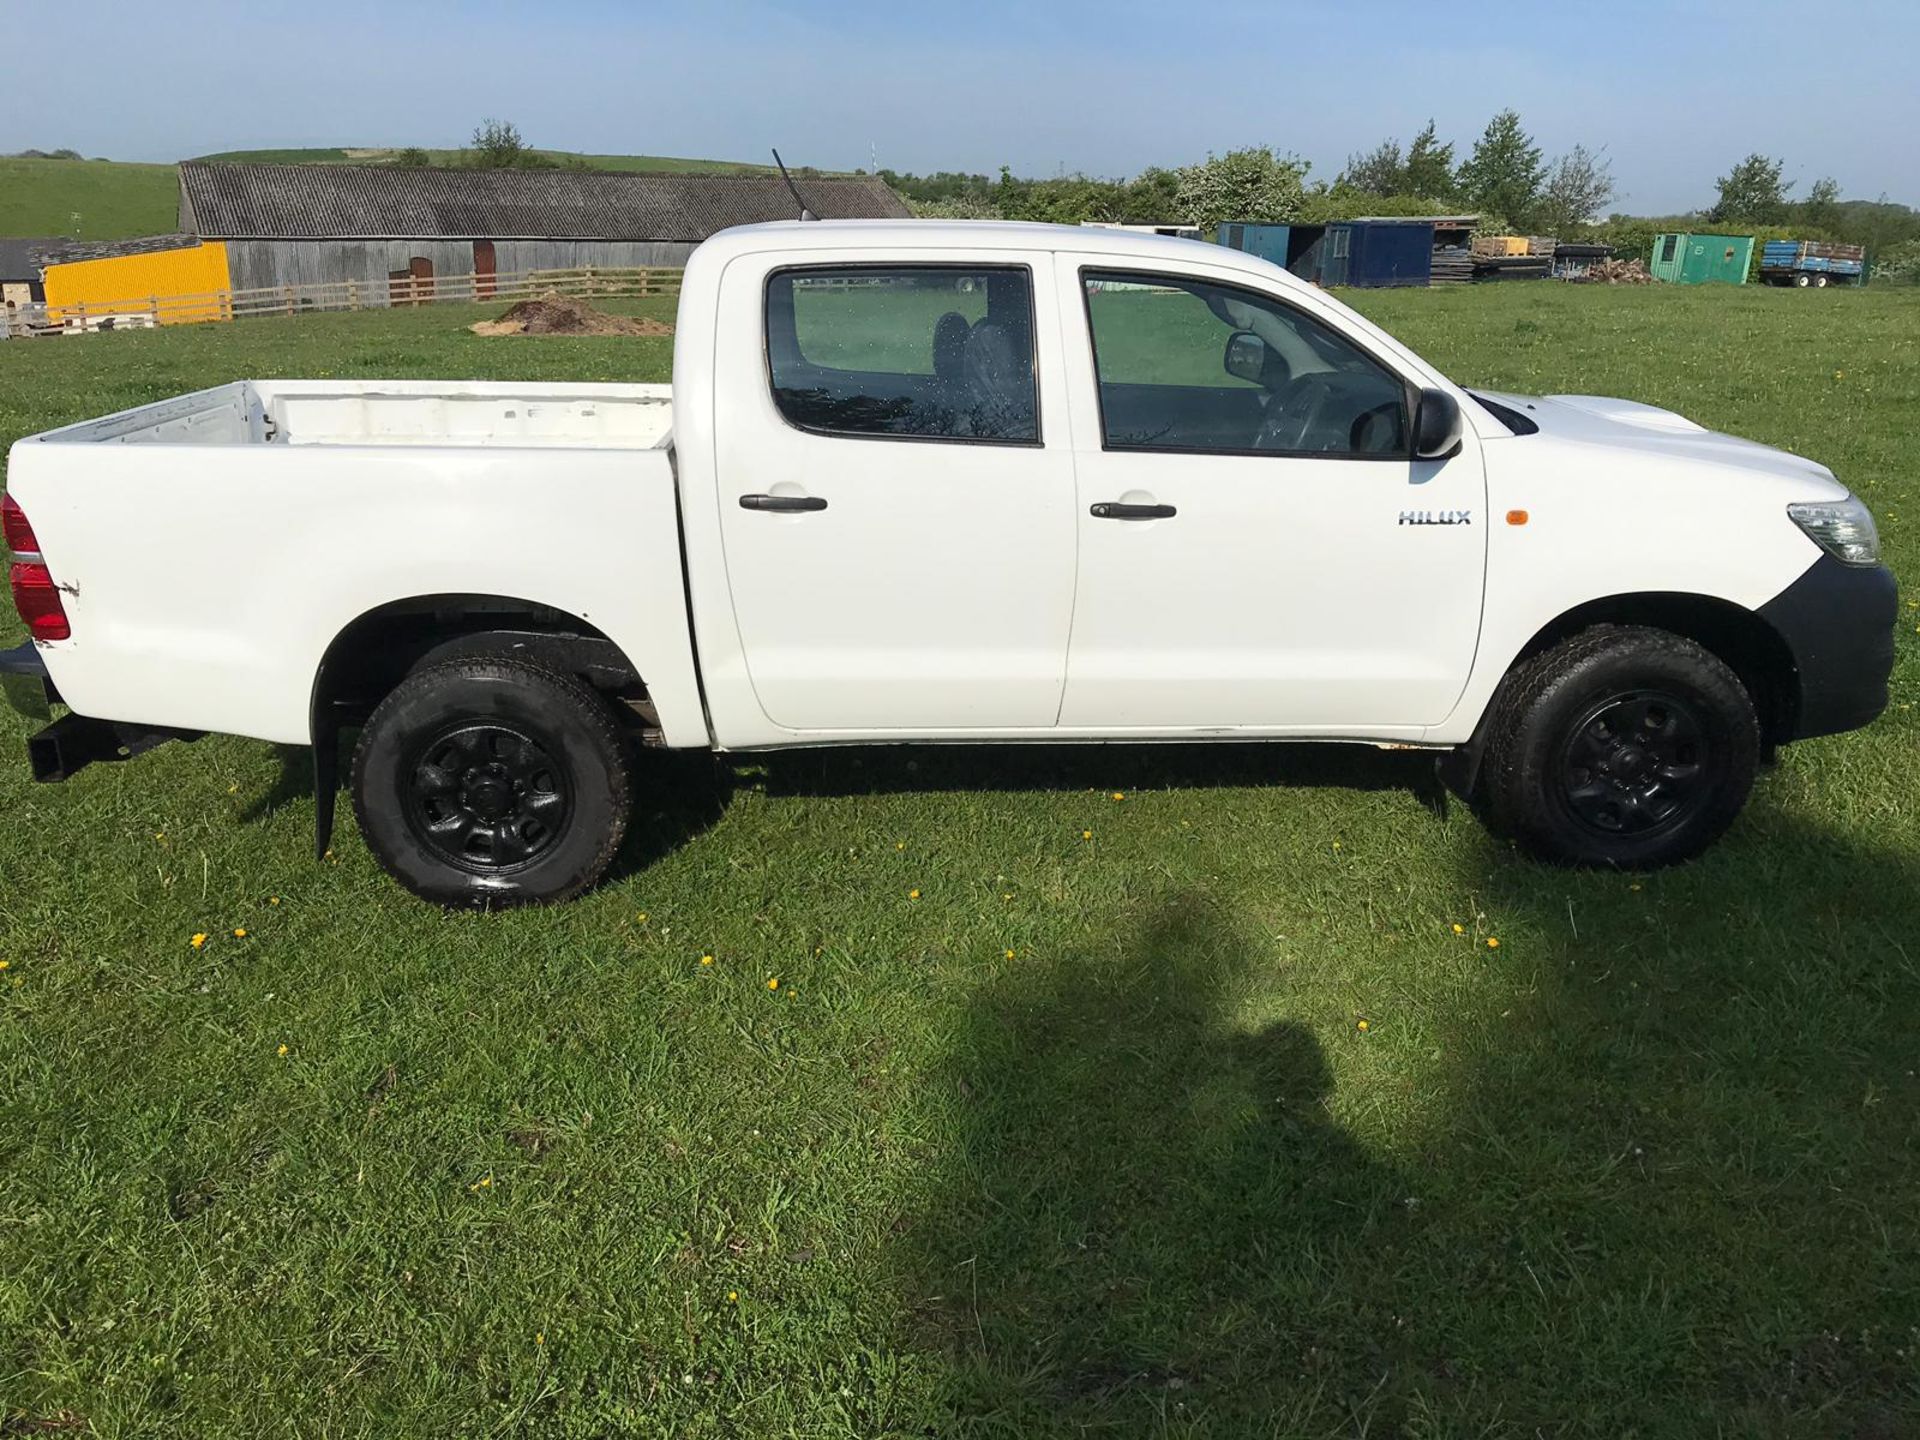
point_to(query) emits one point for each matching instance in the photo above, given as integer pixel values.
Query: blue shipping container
(1377, 253)
(1292, 247)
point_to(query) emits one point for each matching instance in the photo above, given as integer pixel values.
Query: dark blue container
(1377, 253)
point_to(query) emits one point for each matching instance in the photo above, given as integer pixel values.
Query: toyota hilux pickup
(930, 482)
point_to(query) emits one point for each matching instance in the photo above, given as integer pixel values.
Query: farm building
(102, 274)
(389, 227)
(1702, 259)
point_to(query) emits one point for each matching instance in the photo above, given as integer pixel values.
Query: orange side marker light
(1516, 517)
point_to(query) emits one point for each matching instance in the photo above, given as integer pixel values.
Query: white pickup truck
(923, 482)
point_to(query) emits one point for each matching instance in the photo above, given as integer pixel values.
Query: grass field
(112, 200)
(1212, 1110)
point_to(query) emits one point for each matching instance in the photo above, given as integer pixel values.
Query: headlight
(1843, 528)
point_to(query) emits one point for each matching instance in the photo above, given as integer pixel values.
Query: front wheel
(1622, 746)
(488, 781)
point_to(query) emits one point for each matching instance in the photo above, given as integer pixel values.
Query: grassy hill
(111, 199)
(385, 155)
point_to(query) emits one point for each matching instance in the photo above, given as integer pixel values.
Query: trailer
(1812, 264)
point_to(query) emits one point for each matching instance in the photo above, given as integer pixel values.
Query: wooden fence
(584, 283)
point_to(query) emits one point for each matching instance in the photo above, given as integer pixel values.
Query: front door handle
(782, 503)
(1120, 510)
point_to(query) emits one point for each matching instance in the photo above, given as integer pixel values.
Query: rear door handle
(782, 503)
(1119, 510)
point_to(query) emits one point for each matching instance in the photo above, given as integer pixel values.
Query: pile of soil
(553, 314)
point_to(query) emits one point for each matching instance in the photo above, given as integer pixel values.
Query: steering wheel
(1292, 418)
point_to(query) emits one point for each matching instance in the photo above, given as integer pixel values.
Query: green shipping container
(1702, 259)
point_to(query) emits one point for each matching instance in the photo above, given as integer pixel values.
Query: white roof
(898, 235)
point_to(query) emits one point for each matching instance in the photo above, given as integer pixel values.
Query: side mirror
(1436, 426)
(1246, 357)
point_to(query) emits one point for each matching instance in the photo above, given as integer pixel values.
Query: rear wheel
(1802, 280)
(1623, 746)
(492, 782)
(1820, 282)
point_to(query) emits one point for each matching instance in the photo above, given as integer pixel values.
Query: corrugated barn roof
(308, 202)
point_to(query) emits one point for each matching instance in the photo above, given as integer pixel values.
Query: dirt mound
(553, 314)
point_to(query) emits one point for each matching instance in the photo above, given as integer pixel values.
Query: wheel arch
(378, 648)
(1749, 646)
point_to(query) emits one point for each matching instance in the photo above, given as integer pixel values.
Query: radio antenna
(793, 189)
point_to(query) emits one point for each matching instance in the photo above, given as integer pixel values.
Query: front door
(1258, 549)
(896, 494)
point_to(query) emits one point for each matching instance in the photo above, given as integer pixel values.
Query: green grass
(113, 200)
(1084, 1140)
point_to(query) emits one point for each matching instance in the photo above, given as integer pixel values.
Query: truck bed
(394, 412)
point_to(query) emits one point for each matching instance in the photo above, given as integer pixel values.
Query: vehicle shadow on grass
(1148, 1199)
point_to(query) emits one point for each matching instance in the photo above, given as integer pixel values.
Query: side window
(932, 352)
(1666, 251)
(1186, 364)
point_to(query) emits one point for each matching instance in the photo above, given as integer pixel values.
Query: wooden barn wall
(259, 263)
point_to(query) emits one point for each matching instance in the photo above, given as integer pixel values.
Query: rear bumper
(73, 742)
(1838, 621)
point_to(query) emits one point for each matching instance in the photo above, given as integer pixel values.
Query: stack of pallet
(1452, 265)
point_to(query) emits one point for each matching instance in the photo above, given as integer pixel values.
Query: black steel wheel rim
(1636, 765)
(487, 797)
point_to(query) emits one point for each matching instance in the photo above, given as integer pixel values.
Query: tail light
(34, 593)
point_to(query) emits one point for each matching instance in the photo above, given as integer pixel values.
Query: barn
(386, 226)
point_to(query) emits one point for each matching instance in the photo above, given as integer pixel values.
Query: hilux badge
(1436, 517)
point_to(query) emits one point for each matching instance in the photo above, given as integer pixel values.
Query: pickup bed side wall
(224, 573)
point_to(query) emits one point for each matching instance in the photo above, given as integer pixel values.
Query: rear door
(896, 491)
(1258, 550)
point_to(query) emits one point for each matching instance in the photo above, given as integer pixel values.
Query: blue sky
(1675, 92)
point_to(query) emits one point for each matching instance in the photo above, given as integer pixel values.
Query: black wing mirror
(1246, 357)
(1437, 426)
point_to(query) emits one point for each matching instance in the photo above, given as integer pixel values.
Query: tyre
(1802, 280)
(1820, 282)
(490, 782)
(1622, 746)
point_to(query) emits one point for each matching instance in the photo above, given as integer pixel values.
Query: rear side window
(932, 352)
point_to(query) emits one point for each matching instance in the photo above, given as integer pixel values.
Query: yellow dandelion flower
(6, 964)
(1362, 1025)
(240, 932)
(273, 900)
(1336, 844)
(199, 939)
(161, 835)
(1493, 942)
(641, 918)
(706, 959)
(539, 1337)
(1009, 956)
(1459, 929)
(773, 982)
(899, 844)
(733, 1297)
(283, 1052)
(1119, 795)
(1086, 834)
(913, 894)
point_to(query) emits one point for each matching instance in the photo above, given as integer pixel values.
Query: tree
(1752, 193)
(1578, 187)
(1821, 209)
(1504, 173)
(1381, 171)
(413, 158)
(496, 145)
(1251, 184)
(1429, 168)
